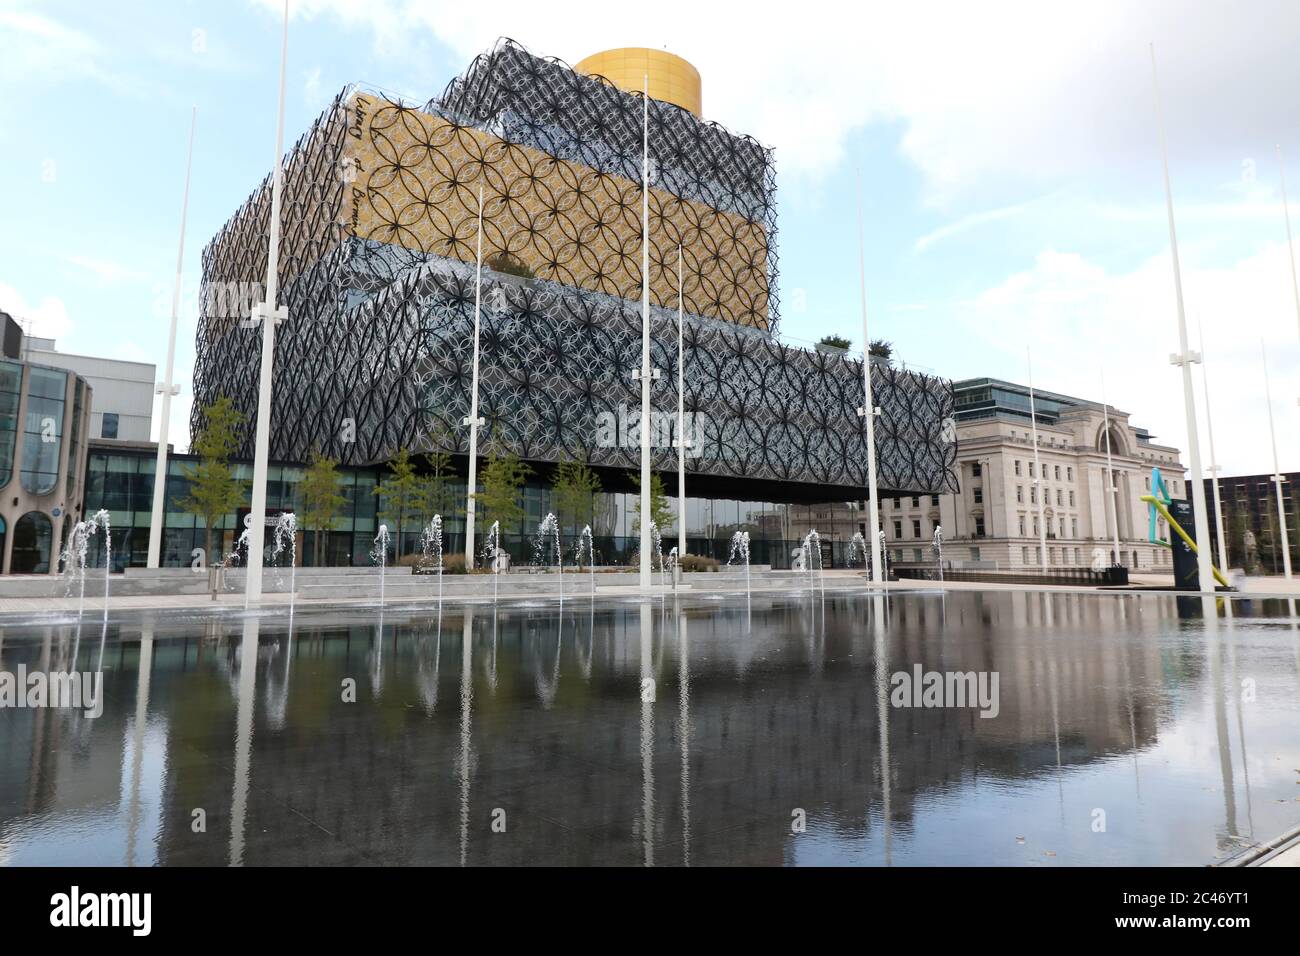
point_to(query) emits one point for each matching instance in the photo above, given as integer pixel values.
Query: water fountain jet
(740, 548)
(379, 554)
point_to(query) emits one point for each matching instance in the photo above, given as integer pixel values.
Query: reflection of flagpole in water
(492, 673)
(1049, 628)
(1235, 687)
(684, 730)
(143, 669)
(647, 737)
(1210, 614)
(881, 655)
(466, 699)
(243, 738)
(1128, 696)
(1295, 635)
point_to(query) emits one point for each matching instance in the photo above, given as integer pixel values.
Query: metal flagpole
(269, 315)
(1286, 213)
(165, 387)
(473, 421)
(1184, 358)
(1214, 468)
(1277, 472)
(1112, 490)
(682, 441)
(644, 579)
(868, 410)
(1037, 484)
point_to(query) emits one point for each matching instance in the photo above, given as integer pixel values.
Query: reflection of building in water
(782, 714)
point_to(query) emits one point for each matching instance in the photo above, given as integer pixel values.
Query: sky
(1008, 156)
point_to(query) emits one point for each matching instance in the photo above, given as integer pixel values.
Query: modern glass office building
(1249, 504)
(44, 423)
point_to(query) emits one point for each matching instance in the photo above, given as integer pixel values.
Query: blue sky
(1009, 160)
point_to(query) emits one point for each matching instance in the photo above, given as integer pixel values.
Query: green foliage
(572, 492)
(214, 490)
(834, 341)
(502, 480)
(882, 351)
(397, 494)
(660, 513)
(322, 499)
(433, 490)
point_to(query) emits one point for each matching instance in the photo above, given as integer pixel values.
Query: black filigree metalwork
(377, 351)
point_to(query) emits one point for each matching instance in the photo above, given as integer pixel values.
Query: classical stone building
(993, 521)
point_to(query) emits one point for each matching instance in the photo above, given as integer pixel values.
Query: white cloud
(1025, 92)
(311, 87)
(45, 319)
(966, 223)
(107, 271)
(40, 48)
(1081, 318)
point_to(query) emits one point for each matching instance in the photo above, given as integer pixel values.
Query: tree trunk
(207, 556)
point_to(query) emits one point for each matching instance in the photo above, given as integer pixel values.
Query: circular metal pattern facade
(377, 351)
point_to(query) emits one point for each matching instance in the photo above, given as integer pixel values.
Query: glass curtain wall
(122, 483)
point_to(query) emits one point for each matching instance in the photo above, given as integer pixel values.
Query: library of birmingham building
(377, 271)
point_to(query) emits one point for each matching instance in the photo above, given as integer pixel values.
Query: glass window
(916, 528)
(43, 429)
(32, 536)
(108, 428)
(74, 442)
(11, 385)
